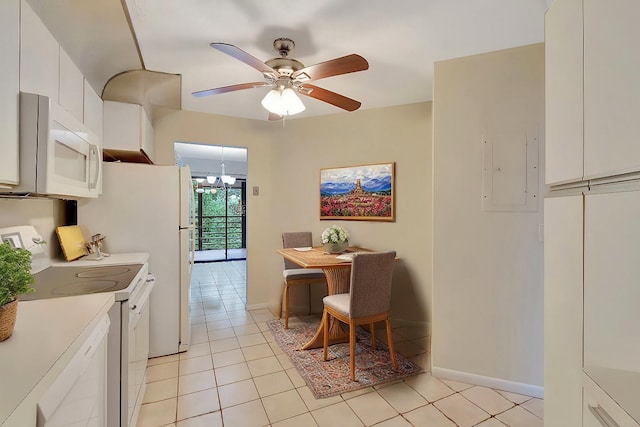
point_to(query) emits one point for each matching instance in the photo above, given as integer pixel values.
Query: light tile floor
(234, 374)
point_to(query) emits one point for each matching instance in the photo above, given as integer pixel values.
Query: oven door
(138, 351)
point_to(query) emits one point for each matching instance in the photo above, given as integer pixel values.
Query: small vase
(8, 313)
(335, 248)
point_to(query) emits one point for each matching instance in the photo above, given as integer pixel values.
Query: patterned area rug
(326, 379)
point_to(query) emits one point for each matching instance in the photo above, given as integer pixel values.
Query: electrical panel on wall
(510, 170)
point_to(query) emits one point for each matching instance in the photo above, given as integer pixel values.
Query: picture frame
(361, 193)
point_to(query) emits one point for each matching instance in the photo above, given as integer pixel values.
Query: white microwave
(59, 156)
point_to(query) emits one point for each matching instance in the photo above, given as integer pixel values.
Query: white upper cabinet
(592, 89)
(39, 55)
(71, 87)
(563, 92)
(9, 86)
(611, 87)
(92, 110)
(127, 131)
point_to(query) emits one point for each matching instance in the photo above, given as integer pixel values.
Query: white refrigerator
(149, 208)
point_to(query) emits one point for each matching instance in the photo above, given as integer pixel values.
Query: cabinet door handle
(602, 416)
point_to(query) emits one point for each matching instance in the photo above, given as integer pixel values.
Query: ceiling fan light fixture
(292, 103)
(211, 179)
(283, 102)
(272, 101)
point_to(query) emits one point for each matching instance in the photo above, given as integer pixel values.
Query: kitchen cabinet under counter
(610, 397)
(47, 336)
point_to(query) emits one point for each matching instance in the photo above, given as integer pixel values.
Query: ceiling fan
(289, 76)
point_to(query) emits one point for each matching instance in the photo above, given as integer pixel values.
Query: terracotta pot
(8, 313)
(335, 248)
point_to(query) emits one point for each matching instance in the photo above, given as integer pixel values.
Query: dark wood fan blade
(243, 56)
(346, 64)
(330, 97)
(231, 88)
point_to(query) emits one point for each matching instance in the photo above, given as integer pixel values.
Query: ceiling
(400, 40)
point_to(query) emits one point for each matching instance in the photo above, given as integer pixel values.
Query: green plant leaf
(15, 272)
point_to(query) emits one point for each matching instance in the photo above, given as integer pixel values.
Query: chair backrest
(371, 278)
(297, 239)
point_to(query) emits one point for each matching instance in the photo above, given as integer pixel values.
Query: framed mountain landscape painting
(364, 192)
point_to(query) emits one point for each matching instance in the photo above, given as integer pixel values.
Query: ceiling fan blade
(330, 97)
(243, 56)
(224, 89)
(273, 117)
(334, 67)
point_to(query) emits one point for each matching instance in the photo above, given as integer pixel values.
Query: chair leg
(325, 333)
(286, 306)
(284, 289)
(372, 329)
(352, 349)
(392, 351)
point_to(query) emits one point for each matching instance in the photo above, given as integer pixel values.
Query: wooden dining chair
(293, 273)
(368, 302)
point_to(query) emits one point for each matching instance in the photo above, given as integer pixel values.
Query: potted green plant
(15, 279)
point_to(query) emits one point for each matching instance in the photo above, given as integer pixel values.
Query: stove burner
(103, 271)
(82, 288)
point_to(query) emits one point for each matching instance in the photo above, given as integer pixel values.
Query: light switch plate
(256, 191)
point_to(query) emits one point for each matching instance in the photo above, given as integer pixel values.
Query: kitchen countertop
(47, 335)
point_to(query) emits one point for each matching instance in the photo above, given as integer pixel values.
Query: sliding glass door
(221, 223)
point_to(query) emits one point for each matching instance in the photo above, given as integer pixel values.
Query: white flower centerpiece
(335, 239)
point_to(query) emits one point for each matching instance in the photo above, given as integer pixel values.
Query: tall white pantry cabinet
(592, 214)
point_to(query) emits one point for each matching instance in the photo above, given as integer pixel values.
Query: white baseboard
(496, 383)
(256, 306)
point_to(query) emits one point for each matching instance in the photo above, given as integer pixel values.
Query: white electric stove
(127, 277)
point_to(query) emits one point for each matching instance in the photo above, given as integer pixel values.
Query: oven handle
(138, 302)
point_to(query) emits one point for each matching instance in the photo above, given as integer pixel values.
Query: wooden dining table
(338, 273)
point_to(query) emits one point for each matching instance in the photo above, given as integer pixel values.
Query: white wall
(44, 214)
(487, 266)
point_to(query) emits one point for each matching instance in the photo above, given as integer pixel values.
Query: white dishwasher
(78, 395)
